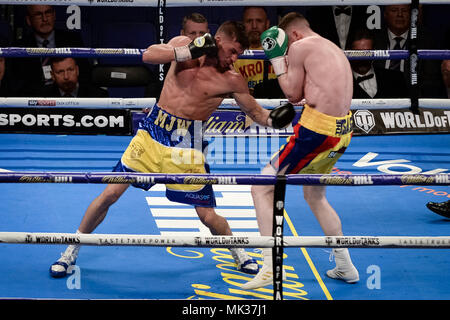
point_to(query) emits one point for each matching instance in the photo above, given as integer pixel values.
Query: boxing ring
(379, 188)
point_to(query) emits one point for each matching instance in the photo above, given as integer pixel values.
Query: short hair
(235, 29)
(196, 17)
(54, 60)
(362, 33)
(255, 7)
(31, 6)
(289, 18)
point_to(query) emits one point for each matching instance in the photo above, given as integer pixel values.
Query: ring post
(277, 251)
(413, 57)
(162, 32)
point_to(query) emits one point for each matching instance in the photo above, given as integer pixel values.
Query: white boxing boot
(265, 274)
(68, 258)
(244, 262)
(344, 270)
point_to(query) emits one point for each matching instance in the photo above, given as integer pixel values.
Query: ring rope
(227, 179)
(21, 52)
(425, 242)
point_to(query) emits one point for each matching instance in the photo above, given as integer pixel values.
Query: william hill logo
(212, 180)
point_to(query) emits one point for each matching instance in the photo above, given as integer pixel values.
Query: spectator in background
(398, 20)
(255, 71)
(337, 23)
(445, 70)
(193, 25)
(35, 73)
(65, 73)
(373, 82)
(396, 37)
(256, 21)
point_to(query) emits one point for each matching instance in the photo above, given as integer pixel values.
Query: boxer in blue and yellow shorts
(318, 142)
(165, 143)
(198, 80)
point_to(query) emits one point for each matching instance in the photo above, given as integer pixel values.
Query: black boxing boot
(441, 208)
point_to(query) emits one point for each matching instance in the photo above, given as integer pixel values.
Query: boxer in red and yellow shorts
(318, 142)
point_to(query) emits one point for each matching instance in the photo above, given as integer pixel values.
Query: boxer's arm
(292, 82)
(246, 102)
(163, 53)
(278, 118)
(251, 108)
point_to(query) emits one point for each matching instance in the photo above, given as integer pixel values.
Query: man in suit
(35, 73)
(337, 23)
(373, 82)
(65, 73)
(395, 36)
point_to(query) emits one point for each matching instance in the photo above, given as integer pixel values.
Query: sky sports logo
(54, 120)
(47, 103)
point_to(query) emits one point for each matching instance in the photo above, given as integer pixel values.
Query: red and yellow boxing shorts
(165, 143)
(318, 142)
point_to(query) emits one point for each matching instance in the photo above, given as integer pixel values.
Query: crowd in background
(346, 26)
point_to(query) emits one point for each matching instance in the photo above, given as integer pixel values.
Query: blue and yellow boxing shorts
(165, 143)
(318, 142)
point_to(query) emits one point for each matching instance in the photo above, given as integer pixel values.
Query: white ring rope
(139, 103)
(425, 242)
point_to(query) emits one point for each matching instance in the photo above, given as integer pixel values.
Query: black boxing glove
(282, 116)
(197, 48)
